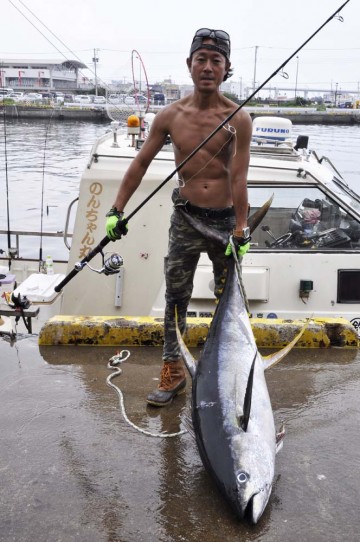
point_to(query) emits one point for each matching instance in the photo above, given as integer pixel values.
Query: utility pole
(296, 80)
(336, 93)
(254, 81)
(95, 61)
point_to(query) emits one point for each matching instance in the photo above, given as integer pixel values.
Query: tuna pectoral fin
(244, 420)
(188, 358)
(273, 359)
(280, 438)
(187, 421)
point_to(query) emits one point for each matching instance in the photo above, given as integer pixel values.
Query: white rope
(113, 362)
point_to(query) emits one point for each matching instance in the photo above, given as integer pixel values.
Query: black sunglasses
(209, 33)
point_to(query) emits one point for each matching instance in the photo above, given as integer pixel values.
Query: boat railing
(66, 233)
(14, 252)
(326, 159)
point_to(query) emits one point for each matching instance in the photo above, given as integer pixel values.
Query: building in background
(42, 75)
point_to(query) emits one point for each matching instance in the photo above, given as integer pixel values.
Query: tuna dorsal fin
(273, 359)
(244, 420)
(188, 358)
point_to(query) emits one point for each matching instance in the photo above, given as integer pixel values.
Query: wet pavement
(73, 470)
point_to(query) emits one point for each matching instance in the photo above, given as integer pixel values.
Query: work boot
(172, 383)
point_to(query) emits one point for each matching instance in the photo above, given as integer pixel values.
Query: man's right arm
(116, 223)
(141, 162)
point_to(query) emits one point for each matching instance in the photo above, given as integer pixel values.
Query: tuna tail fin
(255, 219)
(219, 237)
(188, 358)
(244, 420)
(273, 359)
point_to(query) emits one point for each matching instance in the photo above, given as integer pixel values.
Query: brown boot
(172, 383)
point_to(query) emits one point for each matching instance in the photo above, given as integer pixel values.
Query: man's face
(207, 67)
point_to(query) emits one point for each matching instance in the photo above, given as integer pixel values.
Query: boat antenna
(7, 184)
(105, 241)
(42, 193)
(136, 55)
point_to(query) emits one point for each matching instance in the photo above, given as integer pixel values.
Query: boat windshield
(303, 218)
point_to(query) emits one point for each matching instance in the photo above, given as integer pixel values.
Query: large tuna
(232, 415)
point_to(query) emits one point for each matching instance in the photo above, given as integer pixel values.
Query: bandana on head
(221, 46)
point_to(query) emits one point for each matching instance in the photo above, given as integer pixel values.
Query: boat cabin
(304, 259)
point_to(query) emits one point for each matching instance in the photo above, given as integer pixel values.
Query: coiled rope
(114, 361)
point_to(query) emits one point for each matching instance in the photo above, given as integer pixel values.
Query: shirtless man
(212, 187)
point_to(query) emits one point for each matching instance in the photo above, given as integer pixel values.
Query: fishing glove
(241, 244)
(116, 224)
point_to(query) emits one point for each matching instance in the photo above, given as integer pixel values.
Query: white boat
(304, 259)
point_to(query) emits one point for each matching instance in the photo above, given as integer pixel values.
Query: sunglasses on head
(210, 33)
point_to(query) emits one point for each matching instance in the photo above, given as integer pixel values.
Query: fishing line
(7, 185)
(181, 183)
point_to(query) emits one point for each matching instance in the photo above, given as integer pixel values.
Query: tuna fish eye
(242, 477)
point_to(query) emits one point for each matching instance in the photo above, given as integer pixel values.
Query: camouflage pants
(185, 247)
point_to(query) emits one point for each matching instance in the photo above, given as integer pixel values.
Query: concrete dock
(72, 469)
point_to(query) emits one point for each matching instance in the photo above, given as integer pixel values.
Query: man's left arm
(239, 170)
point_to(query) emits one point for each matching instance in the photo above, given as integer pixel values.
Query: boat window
(302, 218)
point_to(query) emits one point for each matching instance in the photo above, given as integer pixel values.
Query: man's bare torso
(205, 179)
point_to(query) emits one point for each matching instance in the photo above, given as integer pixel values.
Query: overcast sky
(162, 33)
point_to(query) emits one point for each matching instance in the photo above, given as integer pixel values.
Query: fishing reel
(111, 265)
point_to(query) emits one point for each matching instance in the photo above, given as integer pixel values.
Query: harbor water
(72, 468)
(42, 162)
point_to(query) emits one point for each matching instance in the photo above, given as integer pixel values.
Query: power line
(52, 33)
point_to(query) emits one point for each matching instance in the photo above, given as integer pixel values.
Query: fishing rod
(106, 240)
(229, 117)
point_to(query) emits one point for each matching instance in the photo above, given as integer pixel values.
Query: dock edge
(149, 331)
